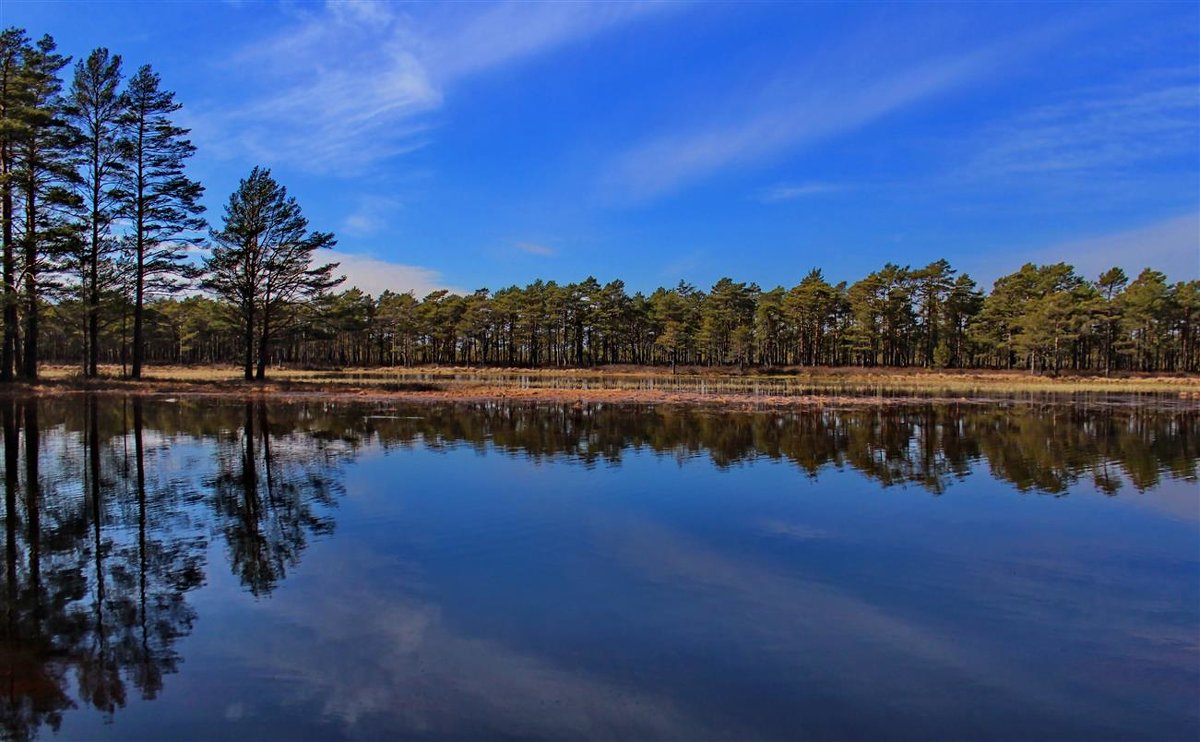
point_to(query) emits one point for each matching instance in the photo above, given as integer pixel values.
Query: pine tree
(1187, 303)
(262, 262)
(962, 306)
(933, 285)
(1146, 307)
(1112, 282)
(808, 305)
(94, 107)
(44, 172)
(13, 94)
(159, 200)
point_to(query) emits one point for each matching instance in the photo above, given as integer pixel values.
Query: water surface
(201, 569)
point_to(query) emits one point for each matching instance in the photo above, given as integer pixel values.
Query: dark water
(201, 569)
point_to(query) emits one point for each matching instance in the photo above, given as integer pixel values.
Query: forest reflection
(113, 505)
(1036, 448)
(106, 535)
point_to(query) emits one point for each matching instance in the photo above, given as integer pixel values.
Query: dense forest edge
(108, 259)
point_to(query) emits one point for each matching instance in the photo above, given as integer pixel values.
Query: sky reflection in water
(202, 569)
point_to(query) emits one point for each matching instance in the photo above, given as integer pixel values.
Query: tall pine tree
(95, 107)
(13, 43)
(159, 200)
(44, 170)
(1110, 285)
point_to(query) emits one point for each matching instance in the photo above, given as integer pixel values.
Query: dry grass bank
(892, 378)
(839, 377)
(782, 388)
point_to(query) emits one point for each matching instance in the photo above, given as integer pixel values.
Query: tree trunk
(93, 302)
(140, 237)
(30, 366)
(138, 312)
(248, 350)
(261, 374)
(10, 267)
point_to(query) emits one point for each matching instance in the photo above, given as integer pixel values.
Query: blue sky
(475, 144)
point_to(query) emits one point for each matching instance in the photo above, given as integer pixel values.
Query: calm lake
(300, 569)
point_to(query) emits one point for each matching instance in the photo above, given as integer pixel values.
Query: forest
(108, 258)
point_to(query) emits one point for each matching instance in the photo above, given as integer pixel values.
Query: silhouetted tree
(95, 106)
(160, 201)
(262, 262)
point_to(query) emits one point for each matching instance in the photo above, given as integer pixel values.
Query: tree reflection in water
(1035, 448)
(98, 563)
(271, 492)
(107, 524)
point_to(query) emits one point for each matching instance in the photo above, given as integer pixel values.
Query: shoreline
(803, 389)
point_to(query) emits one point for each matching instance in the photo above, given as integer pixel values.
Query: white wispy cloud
(534, 248)
(1170, 245)
(370, 215)
(374, 276)
(467, 42)
(793, 191)
(1153, 118)
(835, 93)
(351, 83)
(463, 684)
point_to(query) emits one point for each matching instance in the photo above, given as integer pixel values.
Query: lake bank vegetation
(722, 387)
(107, 258)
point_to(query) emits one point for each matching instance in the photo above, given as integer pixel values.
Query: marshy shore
(749, 389)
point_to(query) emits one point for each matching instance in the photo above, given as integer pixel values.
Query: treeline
(107, 258)
(1041, 318)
